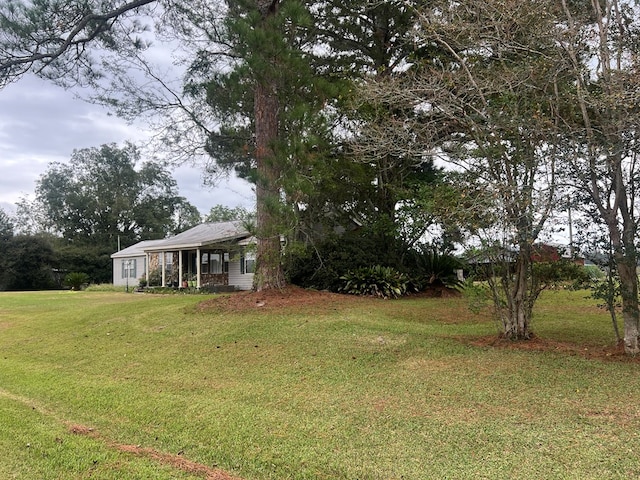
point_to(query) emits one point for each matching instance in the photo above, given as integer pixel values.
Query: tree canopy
(107, 193)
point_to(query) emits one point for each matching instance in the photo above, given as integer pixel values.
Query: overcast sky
(41, 123)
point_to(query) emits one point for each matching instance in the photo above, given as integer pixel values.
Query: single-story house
(207, 255)
(130, 264)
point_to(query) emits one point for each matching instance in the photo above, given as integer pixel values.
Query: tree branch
(93, 23)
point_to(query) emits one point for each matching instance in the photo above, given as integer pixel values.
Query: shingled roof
(201, 236)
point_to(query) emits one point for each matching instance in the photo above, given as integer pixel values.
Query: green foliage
(607, 292)
(433, 268)
(320, 266)
(6, 226)
(222, 213)
(104, 287)
(155, 278)
(477, 294)
(563, 273)
(376, 281)
(94, 260)
(106, 192)
(27, 263)
(76, 280)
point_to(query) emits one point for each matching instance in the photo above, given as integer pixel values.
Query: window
(214, 262)
(129, 268)
(248, 263)
(204, 262)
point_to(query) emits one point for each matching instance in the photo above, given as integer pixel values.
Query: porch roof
(136, 250)
(202, 235)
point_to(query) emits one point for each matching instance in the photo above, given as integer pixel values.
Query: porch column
(179, 268)
(163, 266)
(198, 267)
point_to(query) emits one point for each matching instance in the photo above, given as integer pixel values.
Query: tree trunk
(269, 273)
(517, 318)
(629, 292)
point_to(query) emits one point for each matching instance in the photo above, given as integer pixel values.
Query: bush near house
(376, 281)
(76, 280)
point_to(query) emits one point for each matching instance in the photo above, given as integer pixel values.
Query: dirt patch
(290, 297)
(176, 461)
(537, 344)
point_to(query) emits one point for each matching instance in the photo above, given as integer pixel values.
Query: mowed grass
(347, 390)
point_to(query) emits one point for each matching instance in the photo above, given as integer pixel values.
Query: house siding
(117, 271)
(239, 280)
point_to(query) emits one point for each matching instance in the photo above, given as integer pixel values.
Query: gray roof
(136, 250)
(202, 235)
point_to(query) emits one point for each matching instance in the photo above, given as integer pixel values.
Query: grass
(355, 390)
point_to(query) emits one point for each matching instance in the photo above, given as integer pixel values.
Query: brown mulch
(176, 461)
(536, 344)
(290, 297)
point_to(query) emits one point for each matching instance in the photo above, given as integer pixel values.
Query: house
(130, 264)
(213, 255)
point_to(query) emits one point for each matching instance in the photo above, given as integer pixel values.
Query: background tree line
(339, 110)
(105, 198)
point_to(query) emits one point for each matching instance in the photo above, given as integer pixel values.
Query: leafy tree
(186, 216)
(54, 39)
(100, 195)
(6, 226)
(272, 93)
(28, 263)
(485, 102)
(379, 46)
(601, 115)
(6, 235)
(221, 213)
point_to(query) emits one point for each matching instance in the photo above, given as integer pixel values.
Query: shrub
(435, 269)
(76, 280)
(322, 266)
(377, 281)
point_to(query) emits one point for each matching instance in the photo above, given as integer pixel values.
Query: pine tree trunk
(269, 273)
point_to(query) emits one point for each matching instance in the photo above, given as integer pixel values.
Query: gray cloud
(41, 123)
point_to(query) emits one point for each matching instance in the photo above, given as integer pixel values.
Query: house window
(168, 263)
(248, 263)
(204, 262)
(129, 268)
(214, 262)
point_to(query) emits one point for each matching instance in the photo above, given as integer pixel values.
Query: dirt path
(175, 461)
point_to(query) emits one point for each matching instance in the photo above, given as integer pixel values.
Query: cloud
(41, 123)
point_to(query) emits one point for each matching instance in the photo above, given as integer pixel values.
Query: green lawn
(355, 390)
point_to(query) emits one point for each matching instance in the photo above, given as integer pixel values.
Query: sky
(41, 123)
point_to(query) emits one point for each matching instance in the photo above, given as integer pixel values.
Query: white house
(208, 255)
(130, 264)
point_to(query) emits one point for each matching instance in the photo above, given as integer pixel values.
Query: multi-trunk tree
(600, 118)
(481, 97)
